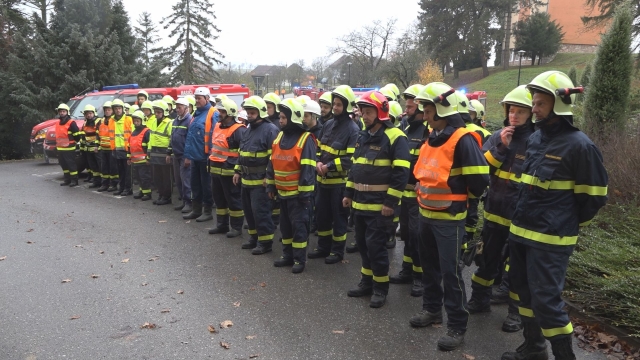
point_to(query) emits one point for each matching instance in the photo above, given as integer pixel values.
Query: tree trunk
(455, 72)
(533, 59)
(483, 60)
(506, 52)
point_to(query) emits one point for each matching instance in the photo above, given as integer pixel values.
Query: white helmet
(182, 101)
(203, 91)
(303, 98)
(311, 106)
(242, 114)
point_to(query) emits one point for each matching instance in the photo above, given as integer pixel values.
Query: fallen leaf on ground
(345, 261)
(437, 326)
(234, 278)
(606, 339)
(251, 288)
(2, 258)
(226, 324)
(125, 260)
(225, 345)
(29, 242)
(212, 329)
(95, 276)
(469, 357)
(253, 356)
(188, 221)
(338, 331)
(148, 326)
(30, 230)
(156, 257)
(250, 337)
(164, 311)
(263, 284)
(144, 284)
(74, 317)
(66, 281)
(78, 246)
(180, 292)
(236, 304)
(101, 251)
(162, 221)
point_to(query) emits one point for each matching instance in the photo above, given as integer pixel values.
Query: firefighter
(138, 143)
(242, 116)
(471, 223)
(450, 166)
(415, 128)
(147, 109)
(504, 151)
(291, 175)
(67, 139)
(196, 151)
(395, 113)
(192, 104)
(389, 94)
(337, 145)
(476, 111)
(311, 121)
(142, 97)
(171, 103)
(469, 120)
(394, 88)
(127, 109)
(376, 182)
(272, 100)
(134, 108)
(89, 146)
(159, 151)
(562, 187)
(108, 167)
(326, 108)
(181, 170)
(251, 169)
(225, 144)
(120, 131)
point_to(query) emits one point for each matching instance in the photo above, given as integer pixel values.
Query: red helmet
(377, 100)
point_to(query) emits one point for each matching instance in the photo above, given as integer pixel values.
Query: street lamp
(520, 53)
(268, 82)
(349, 81)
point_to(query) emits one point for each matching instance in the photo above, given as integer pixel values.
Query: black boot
(316, 254)
(405, 276)
(352, 247)
(146, 197)
(377, 299)
(220, 229)
(562, 347)
(187, 208)
(391, 243)
(451, 341)
(283, 261)
(332, 259)
(262, 248)
(127, 192)
(297, 267)
(233, 233)
(534, 346)
(65, 183)
(499, 295)
(103, 188)
(112, 188)
(475, 307)
(195, 213)
(179, 207)
(425, 318)
(512, 323)
(364, 288)
(417, 290)
(139, 195)
(74, 183)
(94, 185)
(206, 214)
(250, 244)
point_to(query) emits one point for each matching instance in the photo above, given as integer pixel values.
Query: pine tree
(148, 36)
(153, 59)
(584, 81)
(573, 75)
(538, 35)
(192, 57)
(607, 100)
(129, 48)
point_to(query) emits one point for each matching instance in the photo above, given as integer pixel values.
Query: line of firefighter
(544, 185)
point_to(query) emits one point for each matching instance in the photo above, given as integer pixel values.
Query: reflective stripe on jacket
(337, 145)
(138, 146)
(285, 170)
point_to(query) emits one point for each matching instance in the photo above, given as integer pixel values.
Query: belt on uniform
(253, 169)
(410, 187)
(367, 187)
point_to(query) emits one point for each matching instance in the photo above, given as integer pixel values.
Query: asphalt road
(150, 266)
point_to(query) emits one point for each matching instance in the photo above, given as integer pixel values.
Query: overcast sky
(259, 32)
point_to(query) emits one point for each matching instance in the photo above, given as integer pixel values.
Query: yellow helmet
(229, 106)
(142, 92)
(191, 100)
(393, 88)
(88, 107)
(412, 91)
(147, 105)
(297, 111)
(345, 92)
(442, 96)
(256, 102)
(139, 115)
(133, 108)
(161, 105)
(63, 106)
(559, 85)
(169, 100)
(395, 111)
(388, 93)
(220, 97)
(325, 97)
(519, 96)
(107, 104)
(272, 98)
(117, 102)
(463, 103)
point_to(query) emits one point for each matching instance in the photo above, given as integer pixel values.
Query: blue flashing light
(463, 90)
(243, 85)
(120, 87)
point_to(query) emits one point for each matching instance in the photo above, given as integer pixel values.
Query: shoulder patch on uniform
(375, 148)
(520, 157)
(552, 157)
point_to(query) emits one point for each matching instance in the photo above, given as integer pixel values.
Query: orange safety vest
(62, 135)
(89, 135)
(432, 170)
(126, 134)
(286, 163)
(103, 132)
(219, 146)
(137, 151)
(207, 129)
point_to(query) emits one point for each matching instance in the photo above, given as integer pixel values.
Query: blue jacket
(179, 135)
(194, 146)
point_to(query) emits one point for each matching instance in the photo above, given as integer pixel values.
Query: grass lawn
(500, 82)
